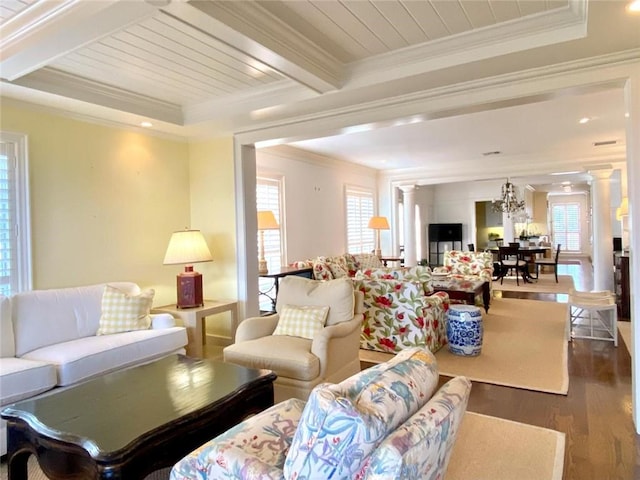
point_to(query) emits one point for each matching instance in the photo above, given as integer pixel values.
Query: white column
(409, 203)
(602, 236)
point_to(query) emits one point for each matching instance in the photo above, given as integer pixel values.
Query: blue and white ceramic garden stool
(464, 330)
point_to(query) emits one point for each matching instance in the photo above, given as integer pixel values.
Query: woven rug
(524, 346)
(491, 448)
(546, 283)
(526, 452)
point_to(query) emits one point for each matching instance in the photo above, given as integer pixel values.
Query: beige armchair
(331, 355)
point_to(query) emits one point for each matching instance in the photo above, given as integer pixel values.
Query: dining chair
(511, 260)
(550, 262)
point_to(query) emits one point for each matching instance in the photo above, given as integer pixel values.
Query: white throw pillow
(122, 312)
(301, 320)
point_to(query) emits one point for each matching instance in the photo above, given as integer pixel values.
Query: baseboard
(218, 340)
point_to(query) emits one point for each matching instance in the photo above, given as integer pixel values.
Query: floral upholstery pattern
(338, 266)
(383, 422)
(255, 448)
(398, 315)
(478, 264)
(417, 273)
(421, 447)
(343, 423)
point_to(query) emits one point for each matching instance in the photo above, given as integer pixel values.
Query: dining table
(528, 254)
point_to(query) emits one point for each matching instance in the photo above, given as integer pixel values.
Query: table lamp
(377, 224)
(188, 247)
(266, 221)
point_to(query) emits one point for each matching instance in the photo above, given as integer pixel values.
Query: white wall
(314, 193)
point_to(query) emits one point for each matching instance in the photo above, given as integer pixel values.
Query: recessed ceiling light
(146, 124)
(626, 115)
(634, 6)
(567, 182)
(584, 120)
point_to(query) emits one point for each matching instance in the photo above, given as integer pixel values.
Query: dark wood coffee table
(463, 290)
(127, 424)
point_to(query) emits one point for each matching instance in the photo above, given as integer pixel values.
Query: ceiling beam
(45, 31)
(254, 31)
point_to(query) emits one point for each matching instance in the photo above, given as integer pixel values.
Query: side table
(194, 321)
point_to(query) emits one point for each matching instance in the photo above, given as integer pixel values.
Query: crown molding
(61, 83)
(543, 29)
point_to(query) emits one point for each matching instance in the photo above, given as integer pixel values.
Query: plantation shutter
(359, 204)
(8, 243)
(566, 226)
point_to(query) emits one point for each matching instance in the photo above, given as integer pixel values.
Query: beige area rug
(491, 448)
(625, 332)
(524, 346)
(486, 448)
(546, 283)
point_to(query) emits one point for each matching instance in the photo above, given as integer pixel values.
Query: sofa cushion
(256, 447)
(88, 357)
(301, 320)
(421, 447)
(122, 312)
(20, 378)
(368, 260)
(337, 294)
(343, 423)
(48, 317)
(288, 357)
(7, 340)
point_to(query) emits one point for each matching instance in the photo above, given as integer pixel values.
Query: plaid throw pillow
(301, 321)
(122, 312)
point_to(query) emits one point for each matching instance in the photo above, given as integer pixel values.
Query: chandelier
(508, 203)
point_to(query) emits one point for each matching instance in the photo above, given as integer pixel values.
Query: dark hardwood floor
(601, 443)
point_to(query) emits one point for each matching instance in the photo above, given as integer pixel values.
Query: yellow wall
(104, 202)
(213, 212)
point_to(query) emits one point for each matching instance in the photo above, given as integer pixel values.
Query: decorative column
(409, 204)
(601, 234)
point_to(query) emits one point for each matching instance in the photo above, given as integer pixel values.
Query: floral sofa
(384, 422)
(338, 266)
(400, 311)
(476, 265)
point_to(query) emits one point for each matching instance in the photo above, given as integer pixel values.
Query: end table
(194, 321)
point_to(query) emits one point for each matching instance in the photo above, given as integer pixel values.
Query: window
(268, 197)
(566, 226)
(359, 204)
(15, 243)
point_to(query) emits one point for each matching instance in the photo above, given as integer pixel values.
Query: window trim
(24, 282)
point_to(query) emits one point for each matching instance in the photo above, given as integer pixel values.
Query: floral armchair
(386, 422)
(399, 311)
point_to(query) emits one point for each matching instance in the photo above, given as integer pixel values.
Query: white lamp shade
(187, 246)
(267, 220)
(379, 223)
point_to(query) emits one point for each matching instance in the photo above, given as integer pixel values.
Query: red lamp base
(189, 286)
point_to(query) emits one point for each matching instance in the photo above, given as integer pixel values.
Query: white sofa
(48, 340)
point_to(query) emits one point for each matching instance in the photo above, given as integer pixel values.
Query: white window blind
(15, 246)
(566, 226)
(268, 197)
(359, 204)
